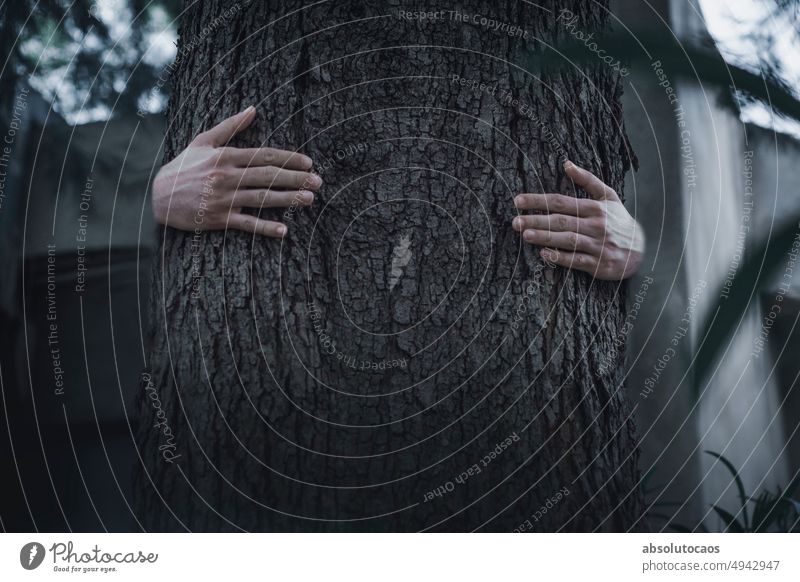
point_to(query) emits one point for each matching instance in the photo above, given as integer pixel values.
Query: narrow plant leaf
(760, 509)
(739, 484)
(730, 522)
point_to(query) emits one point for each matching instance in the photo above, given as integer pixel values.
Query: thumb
(223, 132)
(593, 185)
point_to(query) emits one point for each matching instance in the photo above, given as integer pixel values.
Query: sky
(729, 23)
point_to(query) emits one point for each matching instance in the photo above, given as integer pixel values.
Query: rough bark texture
(407, 254)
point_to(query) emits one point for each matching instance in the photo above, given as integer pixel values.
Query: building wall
(690, 195)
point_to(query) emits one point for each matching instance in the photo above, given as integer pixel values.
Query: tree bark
(402, 361)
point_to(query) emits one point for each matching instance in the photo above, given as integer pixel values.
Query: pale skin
(209, 184)
(596, 235)
(228, 179)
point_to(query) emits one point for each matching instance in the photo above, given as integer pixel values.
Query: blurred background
(84, 86)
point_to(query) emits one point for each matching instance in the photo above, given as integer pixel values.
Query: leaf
(793, 487)
(730, 521)
(775, 508)
(778, 509)
(739, 484)
(760, 510)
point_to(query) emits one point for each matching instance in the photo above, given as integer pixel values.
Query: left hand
(595, 235)
(210, 183)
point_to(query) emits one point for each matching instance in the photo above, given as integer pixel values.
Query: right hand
(208, 184)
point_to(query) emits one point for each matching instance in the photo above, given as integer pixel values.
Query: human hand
(595, 235)
(208, 184)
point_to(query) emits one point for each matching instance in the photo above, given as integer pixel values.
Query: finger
(223, 132)
(272, 177)
(593, 185)
(253, 157)
(272, 198)
(578, 261)
(557, 223)
(568, 241)
(558, 203)
(249, 223)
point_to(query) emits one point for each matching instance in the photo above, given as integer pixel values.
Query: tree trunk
(401, 361)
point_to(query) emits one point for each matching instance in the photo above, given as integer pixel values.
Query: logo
(31, 555)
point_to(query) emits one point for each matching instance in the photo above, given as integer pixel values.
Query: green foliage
(777, 511)
(771, 511)
(38, 37)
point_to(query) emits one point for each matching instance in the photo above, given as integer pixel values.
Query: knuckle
(561, 222)
(595, 226)
(223, 156)
(268, 156)
(227, 156)
(617, 264)
(214, 204)
(608, 259)
(595, 207)
(557, 204)
(270, 173)
(216, 174)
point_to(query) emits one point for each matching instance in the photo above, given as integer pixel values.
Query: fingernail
(516, 223)
(306, 196)
(249, 109)
(281, 230)
(529, 235)
(316, 181)
(308, 161)
(519, 201)
(568, 165)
